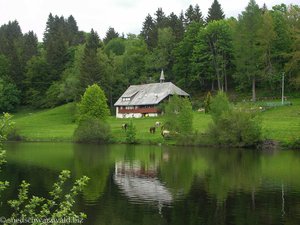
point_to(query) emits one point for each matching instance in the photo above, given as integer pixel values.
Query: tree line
(244, 54)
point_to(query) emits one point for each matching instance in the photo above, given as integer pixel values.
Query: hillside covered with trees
(244, 54)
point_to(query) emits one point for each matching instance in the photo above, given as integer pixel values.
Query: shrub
(219, 105)
(92, 130)
(131, 133)
(207, 103)
(234, 127)
(14, 134)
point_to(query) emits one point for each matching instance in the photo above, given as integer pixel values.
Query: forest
(248, 55)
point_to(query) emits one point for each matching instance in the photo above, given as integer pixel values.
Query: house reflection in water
(141, 184)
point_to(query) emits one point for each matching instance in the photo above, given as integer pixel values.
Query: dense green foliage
(92, 130)
(93, 104)
(233, 54)
(233, 126)
(179, 115)
(131, 133)
(215, 12)
(9, 96)
(207, 103)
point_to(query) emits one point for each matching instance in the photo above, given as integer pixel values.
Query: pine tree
(215, 12)
(189, 15)
(30, 46)
(161, 19)
(56, 46)
(110, 34)
(198, 17)
(193, 14)
(90, 71)
(177, 26)
(149, 32)
(73, 35)
(11, 46)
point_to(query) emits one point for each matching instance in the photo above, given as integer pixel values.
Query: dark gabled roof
(149, 94)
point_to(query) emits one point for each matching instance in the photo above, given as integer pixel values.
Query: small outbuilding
(143, 100)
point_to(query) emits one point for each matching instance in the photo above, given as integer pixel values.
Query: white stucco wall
(132, 115)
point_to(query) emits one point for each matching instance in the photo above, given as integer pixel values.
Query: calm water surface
(141, 185)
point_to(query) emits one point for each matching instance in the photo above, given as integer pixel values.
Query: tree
(56, 46)
(176, 24)
(110, 34)
(292, 67)
(73, 36)
(37, 81)
(11, 46)
(9, 96)
(281, 46)
(30, 46)
(179, 115)
(214, 49)
(115, 46)
(247, 47)
(162, 56)
(182, 68)
(266, 41)
(131, 133)
(161, 19)
(193, 14)
(215, 12)
(90, 71)
(4, 66)
(93, 104)
(149, 32)
(133, 60)
(233, 126)
(70, 83)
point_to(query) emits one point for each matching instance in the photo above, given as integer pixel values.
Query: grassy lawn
(46, 125)
(281, 123)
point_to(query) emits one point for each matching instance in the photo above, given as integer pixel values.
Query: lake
(152, 185)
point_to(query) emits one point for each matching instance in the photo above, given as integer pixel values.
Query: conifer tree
(149, 32)
(110, 34)
(30, 46)
(161, 19)
(177, 26)
(215, 12)
(90, 71)
(193, 14)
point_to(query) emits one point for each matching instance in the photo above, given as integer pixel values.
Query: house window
(125, 99)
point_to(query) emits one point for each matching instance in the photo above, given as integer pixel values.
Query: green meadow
(58, 124)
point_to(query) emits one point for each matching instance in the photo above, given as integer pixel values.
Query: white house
(142, 100)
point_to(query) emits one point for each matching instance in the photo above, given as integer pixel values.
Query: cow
(152, 130)
(124, 126)
(165, 133)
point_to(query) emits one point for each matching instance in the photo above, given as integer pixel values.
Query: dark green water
(143, 185)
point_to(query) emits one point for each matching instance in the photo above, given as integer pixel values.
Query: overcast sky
(126, 16)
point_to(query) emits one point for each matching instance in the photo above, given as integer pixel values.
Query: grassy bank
(279, 123)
